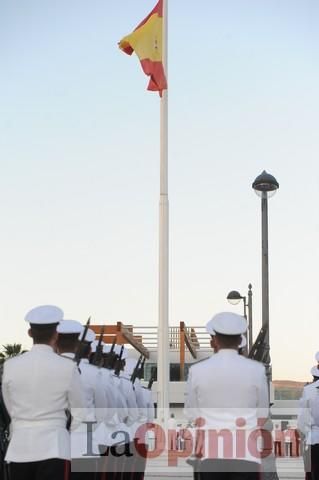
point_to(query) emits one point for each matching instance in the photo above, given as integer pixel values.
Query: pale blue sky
(79, 176)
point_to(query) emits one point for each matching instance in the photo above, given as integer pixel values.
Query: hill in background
(288, 389)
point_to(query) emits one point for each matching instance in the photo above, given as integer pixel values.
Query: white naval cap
(315, 371)
(66, 327)
(228, 323)
(89, 336)
(317, 357)
(209, 328)
(243, 342)
(44, 315)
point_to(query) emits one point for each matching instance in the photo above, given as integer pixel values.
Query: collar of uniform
(227, 351)
(42, 347)
(68, 355)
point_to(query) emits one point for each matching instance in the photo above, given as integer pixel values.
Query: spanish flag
(147, 42)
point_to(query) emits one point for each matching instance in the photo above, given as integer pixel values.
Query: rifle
(113, 345)
(77, 356)
(152, 379)
(110, 358)
(136, 369)
(150, 383)
(140, 373)
(118, 363)
(98, 355)
(259, 350)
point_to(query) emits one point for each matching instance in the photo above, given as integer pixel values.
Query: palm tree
(10, 350)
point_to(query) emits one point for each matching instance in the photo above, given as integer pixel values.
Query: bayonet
(136, 369)
(97, 359)
(77, 357)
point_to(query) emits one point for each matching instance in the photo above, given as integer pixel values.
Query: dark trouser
(278, 448)
(108, 466)
(138, 463)
(229, 470)
(51, 469)
(83, 469)
(315, 462)
(307, 461)
(82, 476)
(123, 467)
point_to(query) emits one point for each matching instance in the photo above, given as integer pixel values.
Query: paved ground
(287, 468)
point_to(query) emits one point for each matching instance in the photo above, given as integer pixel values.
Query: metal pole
(245, 307)
(246, 334)
(250, 316)
(265, 276)
(163, 322)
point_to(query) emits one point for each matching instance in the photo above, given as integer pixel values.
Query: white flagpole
(163, 322)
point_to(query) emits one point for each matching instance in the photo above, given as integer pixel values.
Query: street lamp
(234, 298)
(265, 186)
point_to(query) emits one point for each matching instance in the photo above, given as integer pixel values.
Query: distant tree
(10, 350)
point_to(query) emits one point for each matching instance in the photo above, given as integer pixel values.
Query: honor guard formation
(74, 405)
(76, 408)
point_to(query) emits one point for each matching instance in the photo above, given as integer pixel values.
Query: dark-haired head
(43, 334)
(67, 342)
(227, 341)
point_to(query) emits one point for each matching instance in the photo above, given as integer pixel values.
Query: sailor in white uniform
(69, 346)
(307, 425)
(68, 339)
(229, 392)
(127, 389)
(99, 403)
(150, 409)
(38, 387)
(132, 370)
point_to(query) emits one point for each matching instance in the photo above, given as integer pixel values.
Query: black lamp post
(265, 186)
(234, 298)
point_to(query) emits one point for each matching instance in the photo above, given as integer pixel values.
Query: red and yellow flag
(147, 42)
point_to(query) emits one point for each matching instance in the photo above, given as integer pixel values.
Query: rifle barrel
(77, 357)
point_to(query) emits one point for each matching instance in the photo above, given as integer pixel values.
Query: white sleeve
(191, 403)
(150, 405)
(262, 394)
(76, 400)
(122, 410)
(104, 397)
(141, 401)
(111, 392)
(6, 390)
(308, 414)
(314, 408)
(129, 396)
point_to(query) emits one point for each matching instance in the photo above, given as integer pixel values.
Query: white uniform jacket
(127, 389)
(140, 401)
(108, 408)
(94, 392)
(223, 390)
(38, 387)
(127, 393)
(148, 396)
(306, 422)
